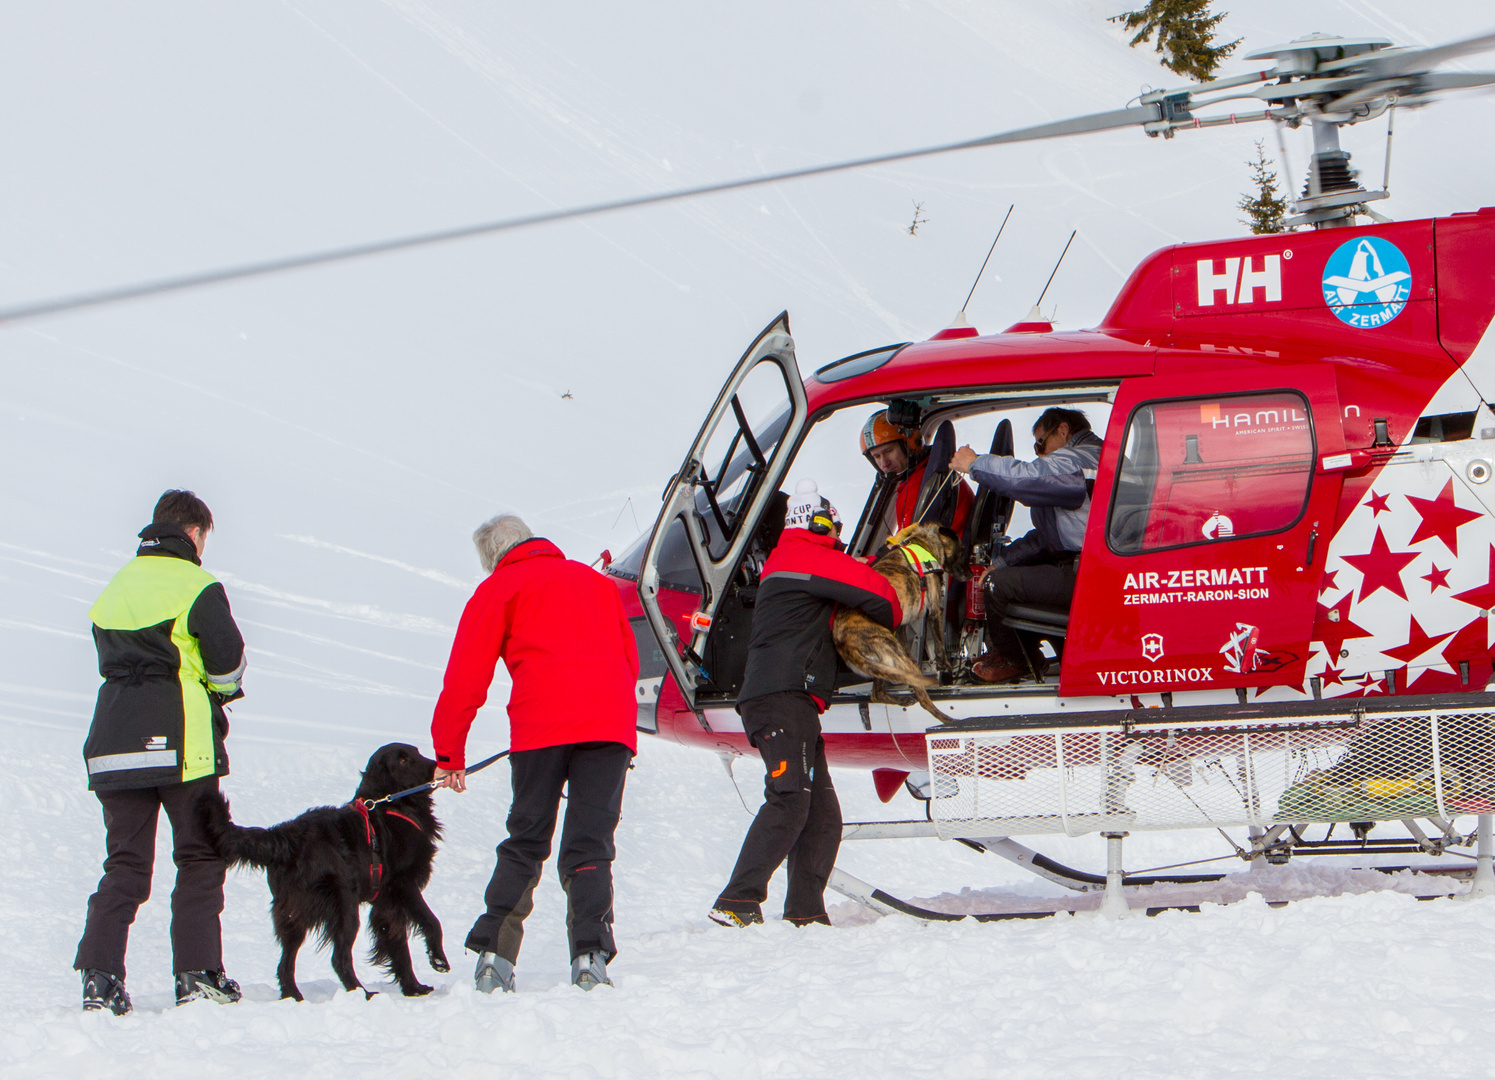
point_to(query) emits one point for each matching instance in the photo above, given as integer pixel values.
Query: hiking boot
(995, 668)
(102, 990)
(206, 986)
(493, 973)
(589, 970)
(736, 915)
(808, 920)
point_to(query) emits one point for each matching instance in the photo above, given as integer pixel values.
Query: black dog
(322, 865)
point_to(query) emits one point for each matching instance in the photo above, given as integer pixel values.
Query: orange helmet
(879, 430)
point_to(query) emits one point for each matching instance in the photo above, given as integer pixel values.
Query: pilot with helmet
(1038, 568)
(899, 452)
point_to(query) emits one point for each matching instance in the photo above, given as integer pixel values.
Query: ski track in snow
(365, 613)
(418, 571)
(1359, 985)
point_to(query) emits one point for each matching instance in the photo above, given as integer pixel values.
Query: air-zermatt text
(1195, 586)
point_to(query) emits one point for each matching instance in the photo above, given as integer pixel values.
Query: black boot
(736, 913)
(206, 986)
(102, 990)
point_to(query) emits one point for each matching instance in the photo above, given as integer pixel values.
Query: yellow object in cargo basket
(1381, 788)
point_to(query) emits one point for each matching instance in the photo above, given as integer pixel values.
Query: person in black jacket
(791, 674)
(171, 657)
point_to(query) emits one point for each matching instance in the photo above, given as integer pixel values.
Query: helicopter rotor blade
(1358, 82)
(1411, 61)
(1119, 118)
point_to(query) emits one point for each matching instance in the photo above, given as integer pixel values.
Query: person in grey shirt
(1038, 568)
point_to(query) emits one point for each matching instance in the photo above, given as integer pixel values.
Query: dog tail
(240, 846)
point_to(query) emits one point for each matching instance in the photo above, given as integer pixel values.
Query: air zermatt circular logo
(1367, 282)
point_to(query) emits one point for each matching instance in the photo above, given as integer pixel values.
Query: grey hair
(497, 536)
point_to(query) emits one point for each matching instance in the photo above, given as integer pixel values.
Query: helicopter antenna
(1390, 125)
(1058, 264)
(986, 260)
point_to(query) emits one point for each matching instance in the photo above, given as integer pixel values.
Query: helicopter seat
(1038, 619)
(1041, 621)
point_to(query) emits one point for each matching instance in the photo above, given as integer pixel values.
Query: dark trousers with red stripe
(592, 774)
(130, 818)
(800, 819)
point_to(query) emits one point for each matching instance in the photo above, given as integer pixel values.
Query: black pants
(130, 828)
(800, 818)
(593, 773)
(1051, 586)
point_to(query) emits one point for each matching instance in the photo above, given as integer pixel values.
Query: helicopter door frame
(773, 345)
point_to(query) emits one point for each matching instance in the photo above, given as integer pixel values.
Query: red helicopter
(1282, 609)
(1282, 614)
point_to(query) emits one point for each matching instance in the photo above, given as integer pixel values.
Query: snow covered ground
(350, 426)
(1357, 985)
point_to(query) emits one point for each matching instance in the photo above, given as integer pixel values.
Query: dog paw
(439, 965)
(418, 990)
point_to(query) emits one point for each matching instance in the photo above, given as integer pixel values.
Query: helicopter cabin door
(1210, 523)
(732, 471)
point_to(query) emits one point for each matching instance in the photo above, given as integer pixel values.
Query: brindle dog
(873, 650)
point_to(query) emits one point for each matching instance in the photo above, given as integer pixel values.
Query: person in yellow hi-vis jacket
(171, 657)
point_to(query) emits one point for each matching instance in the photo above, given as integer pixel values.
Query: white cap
(805, 503)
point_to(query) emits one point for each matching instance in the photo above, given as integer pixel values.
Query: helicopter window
(737, 455)
(677, 569)
(859, 364)
(1202, 470)
(1446, 427)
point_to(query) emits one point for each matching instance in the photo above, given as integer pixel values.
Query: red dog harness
(376, 864)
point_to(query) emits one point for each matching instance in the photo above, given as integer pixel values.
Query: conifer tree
(1266, 210)
(1185, 34)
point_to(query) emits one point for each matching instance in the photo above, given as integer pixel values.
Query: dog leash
(365, 808)
(369, 804)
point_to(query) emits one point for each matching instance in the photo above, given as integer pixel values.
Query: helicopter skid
(1150, 900)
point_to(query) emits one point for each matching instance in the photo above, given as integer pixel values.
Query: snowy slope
(350, 425)
(1358, 985)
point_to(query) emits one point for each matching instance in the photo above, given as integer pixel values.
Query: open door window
(713, 504)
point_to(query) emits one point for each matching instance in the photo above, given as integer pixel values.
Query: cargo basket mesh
(1075, 780)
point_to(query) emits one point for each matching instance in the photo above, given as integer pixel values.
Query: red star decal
(1439, 578)
(1481, 596)
(1335, 633)
(1328, 582)
(1418, 643)
(1441, 518)
(1331, 676)
(1370, 685)
(1470, 643)
(1377, 503)
(1382, 568)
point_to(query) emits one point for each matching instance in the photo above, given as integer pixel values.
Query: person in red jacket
(900, 452)
(791, 674)
(538, 611)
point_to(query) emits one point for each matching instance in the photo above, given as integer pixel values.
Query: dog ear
(376, 775)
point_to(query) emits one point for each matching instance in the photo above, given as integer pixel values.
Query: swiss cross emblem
(1152, 647)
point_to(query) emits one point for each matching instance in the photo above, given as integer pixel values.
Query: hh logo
(1239, 283)
(1152, 647)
